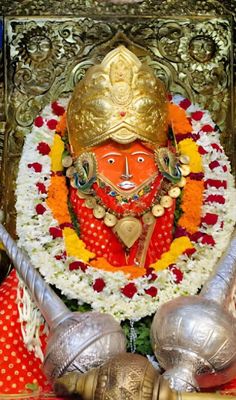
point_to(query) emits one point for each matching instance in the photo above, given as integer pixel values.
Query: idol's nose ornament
(126, 175)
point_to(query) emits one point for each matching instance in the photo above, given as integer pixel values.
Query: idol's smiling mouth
(126, 185)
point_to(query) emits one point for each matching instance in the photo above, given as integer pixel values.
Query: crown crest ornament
(120, 99)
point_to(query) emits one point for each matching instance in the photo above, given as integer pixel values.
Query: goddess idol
(125, 174)
(124, 201)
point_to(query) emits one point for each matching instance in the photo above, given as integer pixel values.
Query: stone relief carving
(46, 59)
(73, 7)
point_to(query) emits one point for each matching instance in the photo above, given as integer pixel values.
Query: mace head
(81, 342)
(126, 376)
(194, 340)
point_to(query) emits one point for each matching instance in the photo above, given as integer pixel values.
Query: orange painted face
(125, 167)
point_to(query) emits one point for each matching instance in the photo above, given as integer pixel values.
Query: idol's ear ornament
(168, 164)
(85, 173)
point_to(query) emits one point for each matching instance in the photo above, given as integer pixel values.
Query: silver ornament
(77, 341)
(193, 337)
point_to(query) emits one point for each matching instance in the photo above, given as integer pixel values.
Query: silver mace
(194, 337)
(77, 341)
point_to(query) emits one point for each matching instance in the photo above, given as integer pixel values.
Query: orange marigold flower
(178, 120)
(57, 199)
(131, 271)
(192, 205)
(61, 125)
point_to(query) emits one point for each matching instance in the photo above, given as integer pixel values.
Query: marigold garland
(129, 295)
(178, 246)
(76, 247)
(61, 125)
(57, 199)
(56, 154)
(131, 271)
(178, 120)
(191, 205)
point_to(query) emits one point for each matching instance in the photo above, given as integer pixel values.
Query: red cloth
(18, 366)
(102, 241)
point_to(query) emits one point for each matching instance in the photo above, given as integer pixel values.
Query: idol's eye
(140, 159)
(111, 161)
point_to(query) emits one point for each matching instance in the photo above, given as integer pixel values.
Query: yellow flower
(190, 148)
(56, 154)
(75, 247)
(178, 246)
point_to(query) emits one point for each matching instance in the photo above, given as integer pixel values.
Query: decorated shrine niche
(117, 162)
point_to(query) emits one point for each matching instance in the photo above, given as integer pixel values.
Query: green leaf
(32, 386)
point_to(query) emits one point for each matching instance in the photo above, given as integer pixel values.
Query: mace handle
(50, 305)
(221, 285)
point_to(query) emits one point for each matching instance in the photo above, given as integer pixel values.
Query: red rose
(61, 256)
(129, 290)
(215, 198)
(150, 274)
(41, 188)
(78, 265)
(197, 115)
(186, 103)
(201, 150)
(225, 168)
(55, 232)
(216, 147)
(196, 236)
(38, 122)
(189, 252)
(208, 239)
(178, 275)
(36, 166)
(210, 219)
(40, 209)
(151, 291)
(207, 128)
(52, 123)
(57, 109)
(203, 238)
(98, 285)
(214, 182)
(43, 148)
(214, 164)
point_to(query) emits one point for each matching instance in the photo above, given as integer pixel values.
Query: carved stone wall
(187, 42)
(98, 7)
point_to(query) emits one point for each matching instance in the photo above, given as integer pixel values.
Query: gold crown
(119, 99)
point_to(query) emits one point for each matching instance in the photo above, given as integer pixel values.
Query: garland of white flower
(34, 236)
